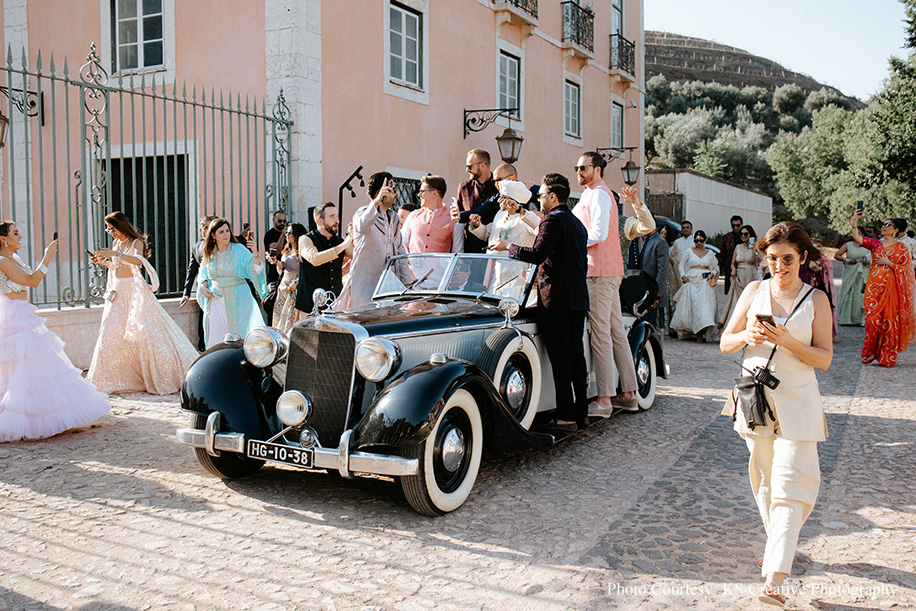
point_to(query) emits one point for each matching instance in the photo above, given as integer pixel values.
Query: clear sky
(841, 43)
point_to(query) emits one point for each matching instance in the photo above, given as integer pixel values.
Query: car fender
(222, 380)
(405, 412)
(643, 332)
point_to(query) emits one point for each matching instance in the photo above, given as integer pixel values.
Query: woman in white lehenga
(744, 265)
(695, 312)
(140, 348)
(41, 392)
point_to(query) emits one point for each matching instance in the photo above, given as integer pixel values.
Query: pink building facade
(382, 84)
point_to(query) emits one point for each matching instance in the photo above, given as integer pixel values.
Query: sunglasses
(581, 168)
(887, 224)
(700, 241)
(745, 233)
(786, 259)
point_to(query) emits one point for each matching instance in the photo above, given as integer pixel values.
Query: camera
(763, 375)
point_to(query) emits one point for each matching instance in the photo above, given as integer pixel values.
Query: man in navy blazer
(559, 251)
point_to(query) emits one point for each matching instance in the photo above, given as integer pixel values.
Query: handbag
(750, 389)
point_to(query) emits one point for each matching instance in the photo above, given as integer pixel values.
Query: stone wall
(79, 327)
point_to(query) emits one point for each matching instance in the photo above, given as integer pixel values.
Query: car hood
(411, 314)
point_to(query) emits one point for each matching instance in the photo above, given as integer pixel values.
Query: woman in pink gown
(41, 392)
(140, 348)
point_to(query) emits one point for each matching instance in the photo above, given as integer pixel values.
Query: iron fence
(529, 6)
(84, 145)
(623, 54)
(578, 25)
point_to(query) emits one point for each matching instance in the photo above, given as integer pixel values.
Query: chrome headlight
(265, 346)
(293, 408)
(376, 358)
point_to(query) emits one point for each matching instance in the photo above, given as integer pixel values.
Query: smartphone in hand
(767, 318)
(860, 207)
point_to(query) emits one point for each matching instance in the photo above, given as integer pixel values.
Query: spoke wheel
(449, 458)
(228, 465)
(646, 378)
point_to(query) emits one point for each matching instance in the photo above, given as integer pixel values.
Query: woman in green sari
(856, 263)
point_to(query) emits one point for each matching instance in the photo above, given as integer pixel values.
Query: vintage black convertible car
(442, 364)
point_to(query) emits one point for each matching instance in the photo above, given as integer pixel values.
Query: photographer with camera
(787, 329)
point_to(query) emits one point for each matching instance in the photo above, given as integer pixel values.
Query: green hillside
(682, 58)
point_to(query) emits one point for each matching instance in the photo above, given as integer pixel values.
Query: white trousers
(785, 478)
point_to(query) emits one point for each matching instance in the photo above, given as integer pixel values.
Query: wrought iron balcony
(527, 6)
(623, 54)
(578, 26)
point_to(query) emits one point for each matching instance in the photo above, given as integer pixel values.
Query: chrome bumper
(339, 459)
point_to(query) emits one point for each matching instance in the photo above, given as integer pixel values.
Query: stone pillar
(16, 35)
(293, 54)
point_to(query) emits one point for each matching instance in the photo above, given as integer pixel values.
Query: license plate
(297, 457)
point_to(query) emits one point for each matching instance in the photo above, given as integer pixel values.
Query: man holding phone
(376, 238)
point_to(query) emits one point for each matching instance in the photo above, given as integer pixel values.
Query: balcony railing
(623, 54)
(578, 26)
(528, 6)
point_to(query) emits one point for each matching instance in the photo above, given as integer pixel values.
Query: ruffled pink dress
(41, 392)
(140, 348)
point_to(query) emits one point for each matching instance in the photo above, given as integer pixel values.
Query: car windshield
(496, 276)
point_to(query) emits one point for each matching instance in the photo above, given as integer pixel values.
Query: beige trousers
(609, 339)
(785, 478)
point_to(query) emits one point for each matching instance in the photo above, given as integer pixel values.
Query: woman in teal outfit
(228, 304)
(856, 263)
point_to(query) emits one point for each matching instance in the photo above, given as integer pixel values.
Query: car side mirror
(509, 307)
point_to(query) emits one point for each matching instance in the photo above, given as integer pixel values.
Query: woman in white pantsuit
(783, 463)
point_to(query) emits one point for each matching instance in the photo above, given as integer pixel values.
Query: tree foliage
(733, 126)
(894, 114)
(812, 152)
(709, 160)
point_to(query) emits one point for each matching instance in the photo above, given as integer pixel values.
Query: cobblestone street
(647, 511)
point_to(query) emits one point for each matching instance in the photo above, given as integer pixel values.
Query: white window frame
(617, 8)
(167, 68)
(618, 133)
(570, 83)
(503, 47)
(511, 97)
(398, 87)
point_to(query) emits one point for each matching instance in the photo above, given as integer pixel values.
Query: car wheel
(515, 372)
(449, 458)
(228, 465)
(646, 379)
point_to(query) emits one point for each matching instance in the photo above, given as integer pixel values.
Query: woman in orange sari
(889, 320)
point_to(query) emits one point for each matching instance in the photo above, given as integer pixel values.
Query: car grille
(320, 365)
